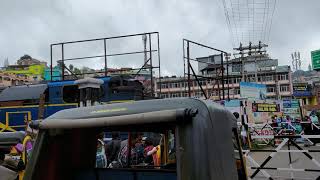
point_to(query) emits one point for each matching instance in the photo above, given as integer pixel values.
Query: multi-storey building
(258, 69)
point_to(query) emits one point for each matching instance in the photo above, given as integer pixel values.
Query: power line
(249, 20)
(274, 7)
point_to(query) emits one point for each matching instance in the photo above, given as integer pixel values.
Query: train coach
(21, 104)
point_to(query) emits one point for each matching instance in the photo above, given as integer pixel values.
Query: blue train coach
(20, 104)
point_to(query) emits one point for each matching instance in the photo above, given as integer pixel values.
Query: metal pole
(290, 160)
(51, 68)
(62, 59)
(222, 76)
(243, 166)
(184, 67)
(198, 82)
(159, 63)
(218, 80)
(228, 76)
(188, 61)
(129, 150)
(151, 69)
(105, 58)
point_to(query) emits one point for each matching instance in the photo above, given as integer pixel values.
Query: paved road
(281, 160)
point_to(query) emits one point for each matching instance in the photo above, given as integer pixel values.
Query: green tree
(71, 67)
(86, 70)
(76, 71)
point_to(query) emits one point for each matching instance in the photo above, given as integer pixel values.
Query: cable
(274, 7)
(249, 20)
(228, 21)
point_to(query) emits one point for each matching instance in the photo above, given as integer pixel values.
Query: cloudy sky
(29, 27)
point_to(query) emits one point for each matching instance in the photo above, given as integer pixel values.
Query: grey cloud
(31, 26)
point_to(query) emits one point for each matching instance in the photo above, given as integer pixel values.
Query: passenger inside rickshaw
(79, 149)
(145, 150)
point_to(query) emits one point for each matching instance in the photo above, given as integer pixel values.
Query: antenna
(296, 61)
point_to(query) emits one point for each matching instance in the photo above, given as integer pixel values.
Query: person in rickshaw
(101, 159)
(150, 153)
(136, 155)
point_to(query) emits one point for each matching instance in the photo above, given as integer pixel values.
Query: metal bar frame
(105, 55)
(186, 42)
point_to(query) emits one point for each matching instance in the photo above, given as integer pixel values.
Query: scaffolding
(150, 61)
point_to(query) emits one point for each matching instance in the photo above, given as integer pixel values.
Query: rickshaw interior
(72, 154)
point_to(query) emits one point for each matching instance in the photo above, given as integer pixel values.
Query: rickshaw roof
(135, 107)
(7, 138)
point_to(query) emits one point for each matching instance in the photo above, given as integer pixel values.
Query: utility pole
(250, 50)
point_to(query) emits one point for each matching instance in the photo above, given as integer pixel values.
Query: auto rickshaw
(13, 162)
(203, 131)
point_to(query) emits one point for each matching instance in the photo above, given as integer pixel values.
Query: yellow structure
(32, 70)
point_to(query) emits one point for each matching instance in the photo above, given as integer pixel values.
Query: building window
(238, 80)
(164, 85)
(236, 68)
(269, 78)
(270, 89)
(284, 88)
(236, 91)
(175, 85)
(199, 94)
(282, 77)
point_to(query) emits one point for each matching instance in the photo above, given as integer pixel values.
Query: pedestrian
(101, 159)
(244, 135)
(113, 147)
(314, 119)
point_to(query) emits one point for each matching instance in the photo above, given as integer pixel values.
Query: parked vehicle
(203, 131)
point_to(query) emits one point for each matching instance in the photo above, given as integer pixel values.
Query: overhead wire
(249, 20)
(274, 8)
(228, 21)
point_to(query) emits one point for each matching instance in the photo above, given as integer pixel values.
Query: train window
(71, 94)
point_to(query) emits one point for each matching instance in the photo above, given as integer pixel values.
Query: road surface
(281, 160)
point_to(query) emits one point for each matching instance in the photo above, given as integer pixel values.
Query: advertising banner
(302, 90)
(263, 116)
(232, 106)
(290, 103)
(253, 90)
(265, 107)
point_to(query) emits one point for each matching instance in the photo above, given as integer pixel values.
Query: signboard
(302, 90)
(315, 58)
(253, 90)
(290, 104)
(265, 107)
(233, 106)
